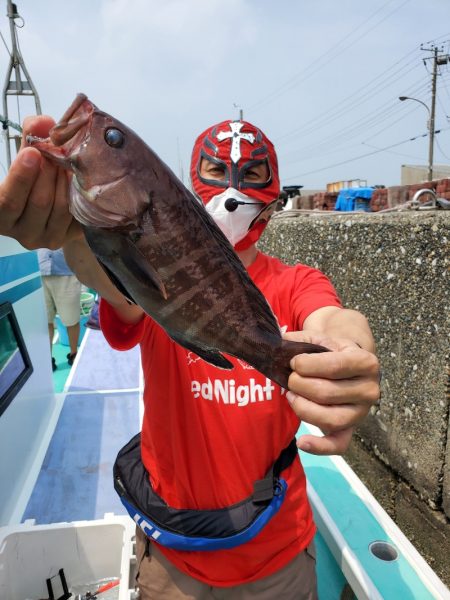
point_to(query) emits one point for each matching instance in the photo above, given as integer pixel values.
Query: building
(411, 174)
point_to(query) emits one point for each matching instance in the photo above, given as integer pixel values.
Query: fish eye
(114, 137)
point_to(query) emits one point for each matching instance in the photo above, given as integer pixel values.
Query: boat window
(15, 363)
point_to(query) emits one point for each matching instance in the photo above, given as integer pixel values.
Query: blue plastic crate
(362, 204)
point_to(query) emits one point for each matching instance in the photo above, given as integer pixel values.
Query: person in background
(93, 320)
(62, 292)
(205, 451)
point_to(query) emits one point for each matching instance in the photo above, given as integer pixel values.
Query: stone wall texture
(395, 268)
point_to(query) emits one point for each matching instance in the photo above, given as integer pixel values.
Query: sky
(320, 77)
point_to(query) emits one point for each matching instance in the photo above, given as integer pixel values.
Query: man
(62, 293)
(209, 435)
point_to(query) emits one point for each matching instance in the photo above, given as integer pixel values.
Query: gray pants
(158, 579)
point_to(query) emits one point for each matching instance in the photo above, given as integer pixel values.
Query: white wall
(411, 174)
(25, 424)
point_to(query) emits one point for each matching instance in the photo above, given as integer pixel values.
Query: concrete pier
(395, 268)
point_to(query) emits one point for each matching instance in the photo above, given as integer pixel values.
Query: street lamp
(430, 126)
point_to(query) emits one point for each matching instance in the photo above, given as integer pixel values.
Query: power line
(444, 82)
(375, 117)
(343, 137)
(369, 90)
(336, 142)
(335, 147)
(348, 104)
(387, 112)
(6, 45)
(316, 151)
(344, 162)
(313, 68)
(444, 109)
(440, 148)
(393, 152)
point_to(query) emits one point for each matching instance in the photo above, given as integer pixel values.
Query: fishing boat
(63, 529)
(62, 523)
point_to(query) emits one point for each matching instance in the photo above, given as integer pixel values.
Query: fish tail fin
(280, 366)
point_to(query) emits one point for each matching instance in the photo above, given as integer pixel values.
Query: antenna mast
(17, 83)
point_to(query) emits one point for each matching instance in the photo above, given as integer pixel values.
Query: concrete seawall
(395, 268)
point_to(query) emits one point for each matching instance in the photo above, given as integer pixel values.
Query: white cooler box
(87, 551)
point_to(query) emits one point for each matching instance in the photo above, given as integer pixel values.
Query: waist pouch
(186, 529)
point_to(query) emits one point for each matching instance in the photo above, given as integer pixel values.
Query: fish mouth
(66, 137)
(72, 145)
(86, 211)
(76, 116)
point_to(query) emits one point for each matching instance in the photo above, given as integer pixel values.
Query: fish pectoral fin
(211, 356)
(117, 283)
(138, 265)
(214, 358)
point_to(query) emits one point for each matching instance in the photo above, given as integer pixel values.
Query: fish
(161, 248)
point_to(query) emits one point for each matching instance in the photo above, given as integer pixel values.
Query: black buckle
(263, 489)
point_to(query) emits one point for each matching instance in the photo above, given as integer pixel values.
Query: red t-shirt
(208, 434)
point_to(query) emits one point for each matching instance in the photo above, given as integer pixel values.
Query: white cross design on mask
(236, 136)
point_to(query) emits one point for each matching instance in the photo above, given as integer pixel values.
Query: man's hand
(333, 390)
(34, 196)
(34, 210)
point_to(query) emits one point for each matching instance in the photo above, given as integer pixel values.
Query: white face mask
(233, 213)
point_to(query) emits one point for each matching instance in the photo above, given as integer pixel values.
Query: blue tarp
(347, 197)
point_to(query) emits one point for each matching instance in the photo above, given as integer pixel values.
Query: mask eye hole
(114, 137)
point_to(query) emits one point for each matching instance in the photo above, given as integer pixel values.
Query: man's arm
(88, 270)
(334, 390)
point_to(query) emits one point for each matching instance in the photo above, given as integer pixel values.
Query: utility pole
(437, 60)
(17, 83)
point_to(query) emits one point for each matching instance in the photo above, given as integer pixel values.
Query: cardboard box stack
(379, 200)
(443, 189)
(382, 198)
(324, 200)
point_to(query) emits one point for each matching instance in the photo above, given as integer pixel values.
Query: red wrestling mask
(238, 199)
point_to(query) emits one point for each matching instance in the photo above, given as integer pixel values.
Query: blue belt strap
(180, 542)
(190, 529)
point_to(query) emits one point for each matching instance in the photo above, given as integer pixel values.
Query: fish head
(103, 156)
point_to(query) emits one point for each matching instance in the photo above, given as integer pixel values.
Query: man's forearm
(88, 270)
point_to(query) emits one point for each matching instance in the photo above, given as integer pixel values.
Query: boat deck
(102, 409)
(100, 413)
